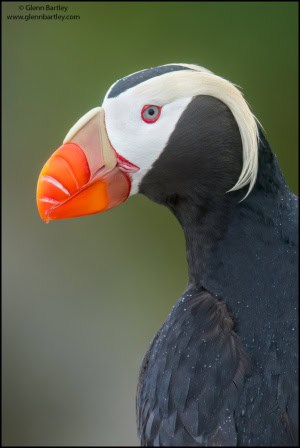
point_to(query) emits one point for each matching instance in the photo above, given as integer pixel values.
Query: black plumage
(223, 369)
(133, 80)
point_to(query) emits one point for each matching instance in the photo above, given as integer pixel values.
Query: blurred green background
(83, 298)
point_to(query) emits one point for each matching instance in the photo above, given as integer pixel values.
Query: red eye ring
(150, 113)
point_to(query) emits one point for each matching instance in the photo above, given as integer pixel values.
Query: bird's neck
(204, 229)
(222, 234)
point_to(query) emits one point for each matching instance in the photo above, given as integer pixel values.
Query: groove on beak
(84, 175)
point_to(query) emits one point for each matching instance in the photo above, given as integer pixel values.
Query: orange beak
(85, 175)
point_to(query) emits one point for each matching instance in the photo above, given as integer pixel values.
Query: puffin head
(175, 130)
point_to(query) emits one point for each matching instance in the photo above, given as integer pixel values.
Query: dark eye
(150, 113)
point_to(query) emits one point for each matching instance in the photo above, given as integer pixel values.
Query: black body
(223, 369)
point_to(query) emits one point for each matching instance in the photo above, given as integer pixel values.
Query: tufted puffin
(223, 368)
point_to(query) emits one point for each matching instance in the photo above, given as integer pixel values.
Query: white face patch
(139, 142)
(142, 143)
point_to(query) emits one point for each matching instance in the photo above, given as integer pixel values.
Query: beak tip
(42, 212)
